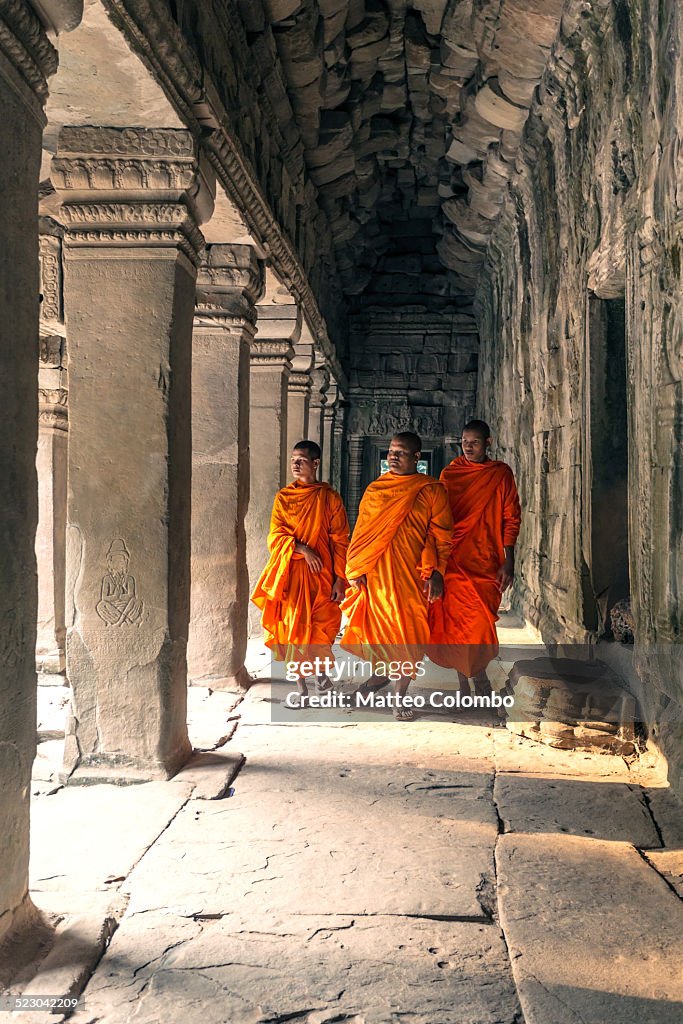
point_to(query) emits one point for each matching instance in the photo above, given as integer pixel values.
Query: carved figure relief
(119, 604)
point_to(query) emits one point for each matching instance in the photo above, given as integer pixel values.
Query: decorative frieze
(132, 187)
(51, 278)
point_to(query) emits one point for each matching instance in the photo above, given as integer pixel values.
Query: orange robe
(486, 517)
(300, 621)
(403, 533)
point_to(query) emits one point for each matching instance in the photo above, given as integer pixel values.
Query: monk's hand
(433, 587)
(506, 573)
(360, 581)
(338, 589)
(312, 558)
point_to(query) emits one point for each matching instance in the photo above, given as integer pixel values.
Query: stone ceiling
(411, 118)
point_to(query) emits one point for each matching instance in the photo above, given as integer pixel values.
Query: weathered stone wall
(593, 215)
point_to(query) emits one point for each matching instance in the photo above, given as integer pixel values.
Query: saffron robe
(300, 621)
(486, 519)
(402, 535)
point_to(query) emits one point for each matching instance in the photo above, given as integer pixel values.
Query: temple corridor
(362, 872)
(231, 225)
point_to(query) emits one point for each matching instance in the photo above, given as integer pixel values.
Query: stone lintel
(132, 187)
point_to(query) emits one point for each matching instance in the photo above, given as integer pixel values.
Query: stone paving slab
(669, 863)
(595, 935)
(333, 849)
(89, 838)
(583, 807)
(314, 969)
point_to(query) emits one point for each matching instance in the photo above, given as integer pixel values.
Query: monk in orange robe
(395, 567)
(303, 583)
(486, 519)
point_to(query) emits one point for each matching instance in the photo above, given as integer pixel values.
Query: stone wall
(593, 218)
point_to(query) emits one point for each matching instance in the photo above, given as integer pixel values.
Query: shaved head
(479, 427)
(409, 440)
(310, 447)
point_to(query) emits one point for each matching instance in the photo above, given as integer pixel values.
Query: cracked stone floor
(438, 872)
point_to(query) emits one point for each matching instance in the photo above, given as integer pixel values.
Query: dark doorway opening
(606, 464)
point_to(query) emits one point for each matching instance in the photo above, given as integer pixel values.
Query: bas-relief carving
(50, 278)
(51, 350)
(119, 604)
(382, 422)
(98, 173)
(144, 142)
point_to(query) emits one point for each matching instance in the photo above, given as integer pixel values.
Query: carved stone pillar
(279, 327)
(354, 484)
(329, 412)
(320, 382)
(337, 479)
(51, 457)
(299, 395)
(229, 283)
(132, 200)
(26, 59)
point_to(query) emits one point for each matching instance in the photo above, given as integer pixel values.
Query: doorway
(606, 544)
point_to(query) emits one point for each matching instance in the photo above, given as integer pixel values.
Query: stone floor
(437, 872)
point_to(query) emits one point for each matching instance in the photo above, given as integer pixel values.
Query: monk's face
(304, 468)
(401, 458)
(475, 447)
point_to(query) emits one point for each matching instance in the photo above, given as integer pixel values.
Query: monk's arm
(438, 543)
(281, 541)
(512, 517)
(339, 543)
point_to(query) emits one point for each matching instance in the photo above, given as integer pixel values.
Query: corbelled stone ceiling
(411, 116)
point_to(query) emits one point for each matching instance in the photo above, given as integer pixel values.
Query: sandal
(323, 684)
(404, 715)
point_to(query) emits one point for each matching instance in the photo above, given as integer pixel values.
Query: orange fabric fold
(486, 519)
(296, 605)
(403, 533)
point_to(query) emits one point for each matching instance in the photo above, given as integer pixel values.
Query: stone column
(229, 283)
(51, 457)
(132, 200)
(26, 58)
(299, 395)
(320, 382)
(329, 413)
(279, 327)
(354, 487)
(338, 462)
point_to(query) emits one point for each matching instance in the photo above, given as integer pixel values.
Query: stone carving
(50, 278)
(385, 422)
(25, 44)
(572, 705)
(100, 191)
(127, 142)
(623, 623)
(119, 604)
(230, 281)
(275, 352)
(51, 350)
(95, 173)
